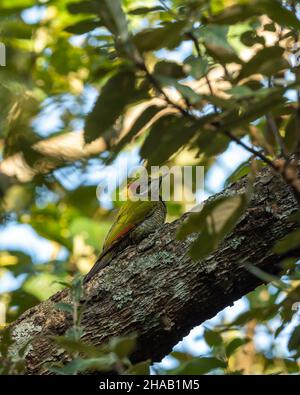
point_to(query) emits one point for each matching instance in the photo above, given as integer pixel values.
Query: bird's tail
(103, 260)
(106, 257)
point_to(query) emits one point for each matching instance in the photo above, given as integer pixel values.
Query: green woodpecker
(136, 219)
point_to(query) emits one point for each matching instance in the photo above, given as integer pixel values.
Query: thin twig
(297, 76)
(198, 50)
(253, 151)
(196, 44)
(278, 168)
(159, 89)
(273, 127)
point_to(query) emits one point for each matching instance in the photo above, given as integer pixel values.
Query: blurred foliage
(235, 78)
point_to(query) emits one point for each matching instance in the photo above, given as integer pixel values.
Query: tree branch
(155, 289)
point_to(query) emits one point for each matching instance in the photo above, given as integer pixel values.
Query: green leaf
(241, 12)
(199, 366)
(187, 92)
(17, 198)
(212, 338)
(74, 333)
(292, 134)
(123, 346)
(181, 356)
(255, 109)
(280, 14)
(77, 287)
(64, 307)
(147, 115)
(270, 27)
(158, 146)
(42, 286)
(294, 341)
(167, 36)
(83, 7)
(84, 199)
(241, 171)
(196, 67)
(75, 346)
(170, 69)
(291, 366)
(234, 14)
(261, 314)
(240, 91)
(250, 38)
(211, 142)
(266, 61)
(141, 368)
(266, 277)
(83, 26)
(101, 364)
(215, 40)
(114, 97)
(213, 223)
(12, 11)
(288, 243)
(20, 301)
(47, 221)
(91, 231)
(16, 262)
(114, 18)
(145, 10)
(234, 344)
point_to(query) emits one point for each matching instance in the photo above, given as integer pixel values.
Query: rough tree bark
(157, 291)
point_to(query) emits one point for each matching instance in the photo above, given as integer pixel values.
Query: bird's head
(144, 188)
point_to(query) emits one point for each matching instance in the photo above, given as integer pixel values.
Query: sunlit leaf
(292, 134)
(165, 36)
(83, 7)
(288, 243)
(114, 18)
(122, 346)
(145, 10)
(212, 338)
(147, 115)
(265, 62)
(20, 301)
(141, 368)
(102, 364)
(170, 69)
(213, 223)
(42, 286)
(114, 97)
(294, 341)
(158, 146)
(64, 307)
(234, 345)
(280, 14)
(195, 66)
(200, 366)
(74, 346)
(83, 26)
(217, 45)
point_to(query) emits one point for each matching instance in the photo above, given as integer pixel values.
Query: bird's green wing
(129, 216)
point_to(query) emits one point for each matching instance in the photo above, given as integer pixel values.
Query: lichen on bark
(157, 291)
